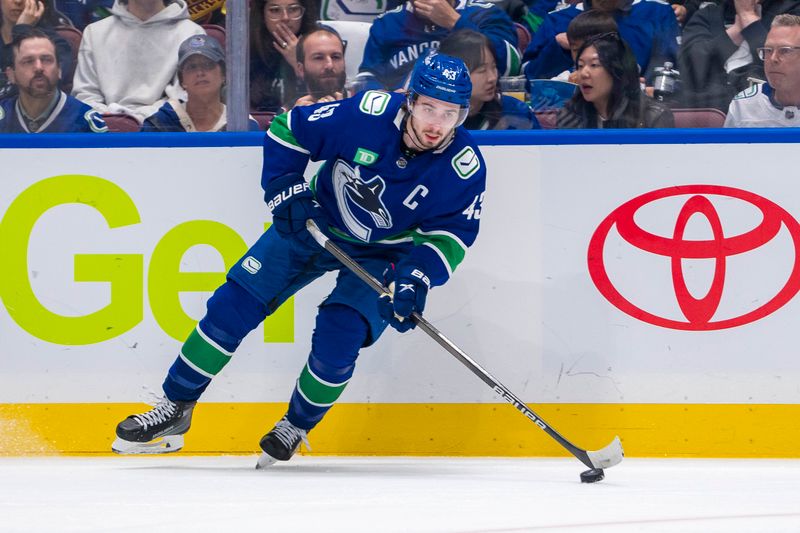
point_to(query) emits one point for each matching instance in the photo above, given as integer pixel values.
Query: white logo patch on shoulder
(466, 163)
(374, 102)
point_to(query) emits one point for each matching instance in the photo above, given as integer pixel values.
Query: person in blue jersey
(201, 73)
(401, 192)
(401, 36)
(648, 26)
(488, 109)
(40, 106)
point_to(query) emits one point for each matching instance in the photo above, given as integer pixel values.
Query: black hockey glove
(410, 286)
(291, 203)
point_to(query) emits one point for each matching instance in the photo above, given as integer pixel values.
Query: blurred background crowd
(161, 65)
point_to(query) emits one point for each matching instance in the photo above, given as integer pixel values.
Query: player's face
(323, 67)
(202, 77)
(595, 81)
(432, 120)
(783, 71)
(484, 80)
(286, 12)
(36, 72)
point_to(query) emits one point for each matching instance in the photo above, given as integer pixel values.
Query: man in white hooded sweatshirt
(127, 62)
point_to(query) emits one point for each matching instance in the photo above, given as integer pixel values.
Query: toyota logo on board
(698, 312)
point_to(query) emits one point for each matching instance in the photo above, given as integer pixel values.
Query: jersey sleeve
(498, 27)
(544, 58)
(441, 242)
(302, 134)
(374, 64)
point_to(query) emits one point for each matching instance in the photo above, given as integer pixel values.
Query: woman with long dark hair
(488, 109)
(610, 94)
(275, 28)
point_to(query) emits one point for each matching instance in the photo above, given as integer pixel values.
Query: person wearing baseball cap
(201, 73)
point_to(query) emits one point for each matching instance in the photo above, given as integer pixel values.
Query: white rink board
(523, 303)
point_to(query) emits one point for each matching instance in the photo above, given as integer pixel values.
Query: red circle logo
(698, 312)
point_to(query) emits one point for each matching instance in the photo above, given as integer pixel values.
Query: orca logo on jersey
(350, 189)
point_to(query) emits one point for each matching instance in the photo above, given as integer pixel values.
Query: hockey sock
(339, 334)
(232, 314)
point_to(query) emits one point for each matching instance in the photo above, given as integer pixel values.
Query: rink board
(641, 285)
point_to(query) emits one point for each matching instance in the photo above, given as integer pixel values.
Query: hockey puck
(592, 476)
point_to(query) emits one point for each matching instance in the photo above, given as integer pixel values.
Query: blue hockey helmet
(442, 77)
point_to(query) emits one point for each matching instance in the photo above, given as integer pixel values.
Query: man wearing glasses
(775, 103)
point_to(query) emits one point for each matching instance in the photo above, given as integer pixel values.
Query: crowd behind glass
(80, 65)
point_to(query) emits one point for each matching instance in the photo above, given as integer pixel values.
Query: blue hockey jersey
(399, 37)
(428, 205)
(649, 27)
(70, 115)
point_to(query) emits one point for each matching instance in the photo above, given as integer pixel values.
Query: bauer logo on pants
(684, 257)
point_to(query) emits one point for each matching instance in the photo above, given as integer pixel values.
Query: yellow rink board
(646, 430)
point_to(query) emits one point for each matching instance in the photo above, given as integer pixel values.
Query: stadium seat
(264, 118)
(73, 37)
(698, 118)
(355, 35)
(523, 37)
(121, 123)
(217, 32)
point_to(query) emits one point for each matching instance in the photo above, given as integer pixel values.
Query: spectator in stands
(488, 109)
(648, 26)
(16, 17)
(775, 103)
(201, 73)
(401, 36)
(585, 25)
(127, 62)
(610, 95)
(275, 29)
(41, 107)
(718, 54)
(320, 61)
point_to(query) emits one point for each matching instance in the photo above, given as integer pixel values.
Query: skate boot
(281, 443)
(159, 430)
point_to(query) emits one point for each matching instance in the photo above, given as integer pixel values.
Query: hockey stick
(597, 460)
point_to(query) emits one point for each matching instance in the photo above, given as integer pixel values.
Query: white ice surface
(313, 494)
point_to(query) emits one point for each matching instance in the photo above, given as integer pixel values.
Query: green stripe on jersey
(316, 391)
(514, 61)
(203, 355)
(279, 128)
(449, 247)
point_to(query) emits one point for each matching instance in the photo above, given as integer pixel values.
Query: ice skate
(159, 430)
(281, 443)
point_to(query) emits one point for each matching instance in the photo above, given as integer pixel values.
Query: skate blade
(167, 444)
(265, 461)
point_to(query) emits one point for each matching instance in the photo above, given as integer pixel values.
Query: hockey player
(400, 36)
(401, 192)
(40, 106)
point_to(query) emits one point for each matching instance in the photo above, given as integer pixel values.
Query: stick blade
(609, 456)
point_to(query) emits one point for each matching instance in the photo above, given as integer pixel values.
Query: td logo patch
(365, 157)
(374, 102)
(466, 163)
